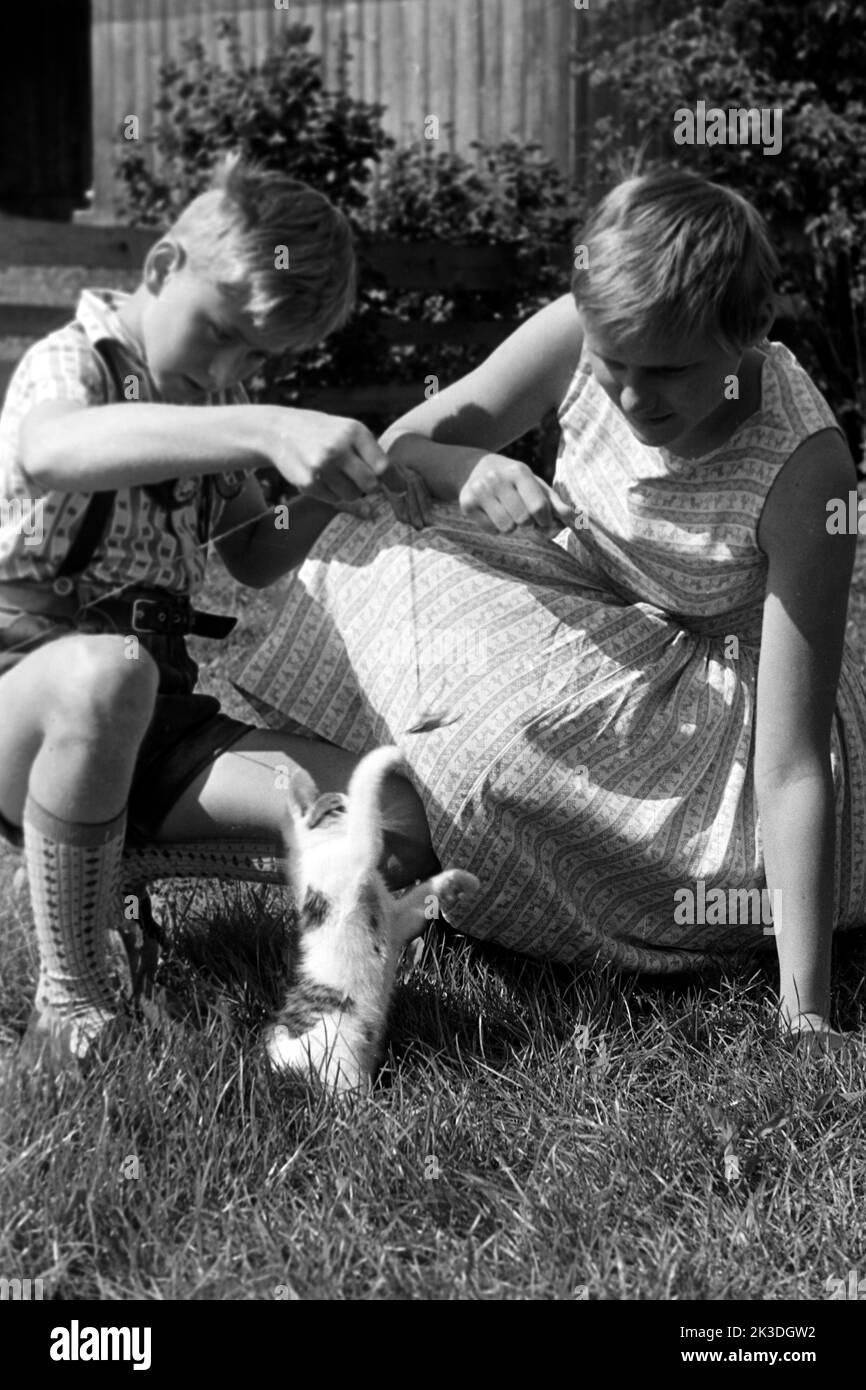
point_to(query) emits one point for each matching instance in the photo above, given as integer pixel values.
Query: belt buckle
(148, 615)
(157, 615)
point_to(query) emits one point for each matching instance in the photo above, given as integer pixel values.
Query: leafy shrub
(807, 61)
(277, 111)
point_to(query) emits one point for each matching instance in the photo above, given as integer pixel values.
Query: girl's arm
(483, 412)
(801, 654)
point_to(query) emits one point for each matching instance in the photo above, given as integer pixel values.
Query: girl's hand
(813, 1033)
(501, 494)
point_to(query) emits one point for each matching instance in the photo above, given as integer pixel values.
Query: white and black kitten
(331, 1027)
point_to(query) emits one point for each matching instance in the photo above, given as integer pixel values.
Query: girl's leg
(74, 715)
(241, 797)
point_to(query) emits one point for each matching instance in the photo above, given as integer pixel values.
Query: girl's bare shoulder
(819, 472)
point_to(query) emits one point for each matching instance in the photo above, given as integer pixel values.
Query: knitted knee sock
(74, 873)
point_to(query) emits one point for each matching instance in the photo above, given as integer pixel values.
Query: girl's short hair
(279, 249)
(670, 255)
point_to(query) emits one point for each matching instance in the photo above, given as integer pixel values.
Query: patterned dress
(598, 772)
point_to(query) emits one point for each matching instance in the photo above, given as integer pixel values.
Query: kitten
(332, 1024)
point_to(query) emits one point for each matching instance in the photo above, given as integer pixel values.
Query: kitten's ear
(302, 792)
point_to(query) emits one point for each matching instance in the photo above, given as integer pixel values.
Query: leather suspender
(98, 511)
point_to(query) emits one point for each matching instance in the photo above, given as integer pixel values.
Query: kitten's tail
(364, 815)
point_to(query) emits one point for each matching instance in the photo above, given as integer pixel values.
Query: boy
(101, 735)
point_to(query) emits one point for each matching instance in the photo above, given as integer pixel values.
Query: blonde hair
(239, 233)
(671, 255)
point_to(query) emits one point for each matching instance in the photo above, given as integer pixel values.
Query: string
(136, 583)
(414, 615)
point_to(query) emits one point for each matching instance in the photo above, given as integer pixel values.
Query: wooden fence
(487, 69)
(400, 265)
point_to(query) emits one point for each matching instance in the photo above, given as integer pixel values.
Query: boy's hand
(501, 494)
(408, 494)
(326, 456)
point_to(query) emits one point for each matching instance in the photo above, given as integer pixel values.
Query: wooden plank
(356, 39)
(32, 320)
(35, 320)
(103, 105)
(438, 66)
(414, 78)
(465, 63)
(514, 62)
(358, 401)
(460, 332)
(563, 151)
(7, 367)
(432, 265)
(534, 77)
(410, 265)
(26, 241)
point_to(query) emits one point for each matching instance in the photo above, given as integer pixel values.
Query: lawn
(535, 1133)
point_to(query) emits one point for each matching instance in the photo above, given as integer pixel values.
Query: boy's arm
(67, 446)
(261, 552)
(801, 653)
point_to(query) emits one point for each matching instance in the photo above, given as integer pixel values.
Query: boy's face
(664, 391)
(194, 337)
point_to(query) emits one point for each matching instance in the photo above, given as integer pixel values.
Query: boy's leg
(239, 797)
(74, 713)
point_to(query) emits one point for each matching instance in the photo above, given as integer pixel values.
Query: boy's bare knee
(104, 679)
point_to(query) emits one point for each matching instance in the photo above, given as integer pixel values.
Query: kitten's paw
(328, 1066)
(423, 904)
(452, 887)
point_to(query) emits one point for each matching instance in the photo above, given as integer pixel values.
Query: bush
(514, 197)
(778, 54)
(278, 112)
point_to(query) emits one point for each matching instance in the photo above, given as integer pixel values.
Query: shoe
(62, 1044)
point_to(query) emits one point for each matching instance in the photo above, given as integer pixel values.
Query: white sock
(74, 873)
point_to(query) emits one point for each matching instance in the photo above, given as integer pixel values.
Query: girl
(650, 716)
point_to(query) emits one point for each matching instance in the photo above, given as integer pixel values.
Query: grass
(536, 1133)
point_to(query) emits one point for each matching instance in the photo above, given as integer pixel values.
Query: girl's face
(666, 392)
(195, 340)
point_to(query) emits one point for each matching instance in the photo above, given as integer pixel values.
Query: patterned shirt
(36, 531)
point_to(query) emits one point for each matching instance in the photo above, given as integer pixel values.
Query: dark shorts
(187, 733)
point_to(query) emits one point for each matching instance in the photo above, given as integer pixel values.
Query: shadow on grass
(468, 1000)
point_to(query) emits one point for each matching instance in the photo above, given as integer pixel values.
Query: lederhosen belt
(148, 611)
(168, 614)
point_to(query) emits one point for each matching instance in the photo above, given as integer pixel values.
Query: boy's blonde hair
(671, 255)
(233, 235)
